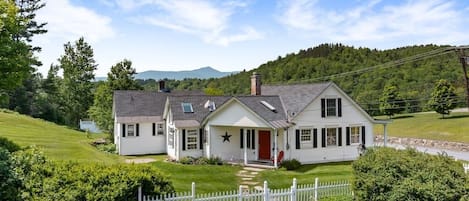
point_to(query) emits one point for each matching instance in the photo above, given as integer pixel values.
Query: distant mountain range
(201, 73)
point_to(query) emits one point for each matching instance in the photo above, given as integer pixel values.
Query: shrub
(45, 180)
(187, 160)
(292, 164)
(9, 182)
(9, 145)
(389, 174)
(109, 148)
(215, 160)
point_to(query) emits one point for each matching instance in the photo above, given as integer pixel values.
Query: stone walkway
(248, 175)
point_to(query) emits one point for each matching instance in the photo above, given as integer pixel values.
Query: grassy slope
(57, 142)
(429, 126)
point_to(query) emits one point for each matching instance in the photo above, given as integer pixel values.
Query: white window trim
(194, 134)
(359, 134)
(159, 130)
(336, 107)
(336, 136)
(171, 137)
(310, 135)
(134, 130)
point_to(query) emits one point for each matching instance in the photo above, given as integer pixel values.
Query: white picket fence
(466, 167)
(297, 192)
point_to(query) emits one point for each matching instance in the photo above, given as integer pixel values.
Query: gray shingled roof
(297, 96)
(198, 102)
(139, 103)
(277, 119)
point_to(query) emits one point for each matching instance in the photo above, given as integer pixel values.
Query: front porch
(248, 146)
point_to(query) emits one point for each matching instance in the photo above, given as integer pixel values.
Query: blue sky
(233, 35)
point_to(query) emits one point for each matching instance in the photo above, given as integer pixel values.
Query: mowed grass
(207, 178)
(454, 127)
(57, 142)
(306, 174)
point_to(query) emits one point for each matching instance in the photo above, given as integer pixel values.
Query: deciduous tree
(443, 98)
(391, 102)
(78, 67)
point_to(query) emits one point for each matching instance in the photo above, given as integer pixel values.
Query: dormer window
(187, 108)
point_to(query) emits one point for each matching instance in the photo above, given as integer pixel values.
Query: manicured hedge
(386, 174)
(44, 180)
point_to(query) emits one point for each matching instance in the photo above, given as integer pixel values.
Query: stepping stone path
(247, 175)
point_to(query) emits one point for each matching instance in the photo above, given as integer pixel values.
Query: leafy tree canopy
(443, 99)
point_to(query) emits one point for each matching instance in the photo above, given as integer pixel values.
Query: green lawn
(306, 174)
(429, 126)
(207, 178)
(57, 142)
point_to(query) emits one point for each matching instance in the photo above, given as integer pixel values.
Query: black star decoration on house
(226, 137)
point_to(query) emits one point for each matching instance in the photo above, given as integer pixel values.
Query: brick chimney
(161, 86)
(255, 84)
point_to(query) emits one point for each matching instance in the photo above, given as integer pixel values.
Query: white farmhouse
(313, 123)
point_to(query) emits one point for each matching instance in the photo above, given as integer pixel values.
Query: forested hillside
(415, 80)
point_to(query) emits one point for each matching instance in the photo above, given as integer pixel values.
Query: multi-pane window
(331, 107)
(331, 136)
(131, 130)
(305, 135)
(160, 129)
(355, 135)
(191, 139)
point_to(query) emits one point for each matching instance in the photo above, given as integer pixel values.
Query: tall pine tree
(78, 67)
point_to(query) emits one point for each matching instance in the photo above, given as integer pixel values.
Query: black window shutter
(340, 136)
(297, 141)
(315, 138)
(241, 134)
(323, 137)
(347, 136)
(253, 139)
(201, 136)
(123, 130)
(323, 107)
(339, 107)
(183, 139)
(248, 139)
(363, 135)
(153, 129)
(137, 130)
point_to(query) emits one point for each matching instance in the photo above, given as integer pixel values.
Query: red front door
(264, 145)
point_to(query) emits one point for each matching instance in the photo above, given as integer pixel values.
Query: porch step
(245, 175)
(256, 169)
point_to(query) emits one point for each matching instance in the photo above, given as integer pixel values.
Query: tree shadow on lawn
(403, 117)
(455, 116)
(310, 167)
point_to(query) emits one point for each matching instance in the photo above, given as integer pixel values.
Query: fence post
(193, 191)
(139, 193)
(293, 191)
(266, 191)
(240, 193)
(316, 182)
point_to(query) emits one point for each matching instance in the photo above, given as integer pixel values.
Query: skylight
(269, 106)
(187, 108)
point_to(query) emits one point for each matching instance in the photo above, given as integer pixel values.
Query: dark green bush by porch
(386, 174)
(292, 164)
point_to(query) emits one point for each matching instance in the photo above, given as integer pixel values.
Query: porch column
(207, 145)
(385, 133)
(245, 147)
(275, 147)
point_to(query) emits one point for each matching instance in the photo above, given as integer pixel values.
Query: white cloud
(417, 21)
(204, 19)
(69, 22)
